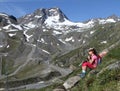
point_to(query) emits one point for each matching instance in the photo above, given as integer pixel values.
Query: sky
(75, 10)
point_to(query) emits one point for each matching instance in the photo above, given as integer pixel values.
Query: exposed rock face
(7, 19)
(40, 15)
(3, 40)
(114, 66)
(60, 88)
(69, 83)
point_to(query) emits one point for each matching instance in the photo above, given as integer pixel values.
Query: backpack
(99, 60)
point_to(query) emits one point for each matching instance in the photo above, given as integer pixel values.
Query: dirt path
(26, 62)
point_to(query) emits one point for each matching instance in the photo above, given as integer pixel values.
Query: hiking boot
(82, 75)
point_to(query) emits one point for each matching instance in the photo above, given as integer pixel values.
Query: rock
(92, 72)
(60, 88)
(57, 80)
(69, 83)
(72, 67)
(115, 65)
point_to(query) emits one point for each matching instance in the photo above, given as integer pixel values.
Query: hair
(93, 50)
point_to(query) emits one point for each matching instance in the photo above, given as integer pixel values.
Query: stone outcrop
(69, 83)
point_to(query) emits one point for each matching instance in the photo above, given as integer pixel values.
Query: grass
(30, 70)
(5, 68)
(49, 88)
(108, 80)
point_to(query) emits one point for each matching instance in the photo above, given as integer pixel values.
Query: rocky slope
(36, 44)
(107, 75)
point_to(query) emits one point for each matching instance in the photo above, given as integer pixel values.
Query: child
(91, 63)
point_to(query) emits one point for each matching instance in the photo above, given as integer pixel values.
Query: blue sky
(75, 10)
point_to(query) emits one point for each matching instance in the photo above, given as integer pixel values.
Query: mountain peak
(57, 11)
(6, 19)
(115, 17)
(51, 12)
(39, 16)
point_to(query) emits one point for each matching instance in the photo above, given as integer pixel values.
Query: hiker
(92, 61)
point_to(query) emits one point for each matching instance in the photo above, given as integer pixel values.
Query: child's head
(92, 51)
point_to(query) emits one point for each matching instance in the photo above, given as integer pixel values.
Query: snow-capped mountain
(48, 27)
(54, 22)
(41, 15)
(9, 28)
(52, 18)
(7, 19)
(110, 19)
(46, 34)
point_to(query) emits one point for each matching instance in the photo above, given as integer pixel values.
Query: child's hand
(80, 64)
(89, 58)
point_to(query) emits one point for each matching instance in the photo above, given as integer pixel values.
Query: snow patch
(31, 25)
(103, 42)
(37, 16)
(6, 27)
(73, 40)
(51, 43)
(57, 32)
(62, 41)
(44, 30)
(45, 51)
(79, 40)
(8, 46)
(58, 44)
(1, 46)
(2, 14)
(41, 82)
(12, 30)
(54, 22)
(52, 19)
(69, 39)
(42, 41)
(110, 20)
(11, 34)
(91, 32)
(84, 41)
(26, 27)
(27, 36)
(17, 26)
(103, 21)
(33, 45)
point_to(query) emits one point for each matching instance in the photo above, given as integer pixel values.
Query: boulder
(112, 66)
(92, 72)
(72, 67)
(69, 83)
(115, 65)
(60, 88)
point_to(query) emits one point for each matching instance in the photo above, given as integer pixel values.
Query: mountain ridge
(47, 36)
